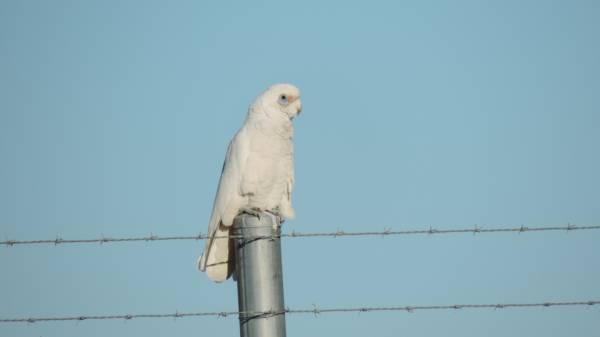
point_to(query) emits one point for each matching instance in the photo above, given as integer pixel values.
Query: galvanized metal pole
(259, 275)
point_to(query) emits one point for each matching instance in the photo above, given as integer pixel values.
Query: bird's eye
(283, 100)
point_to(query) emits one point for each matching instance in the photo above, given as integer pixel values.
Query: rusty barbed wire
(386, 232)
(314, 310)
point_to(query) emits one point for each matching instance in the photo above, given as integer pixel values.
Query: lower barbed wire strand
(315, 310)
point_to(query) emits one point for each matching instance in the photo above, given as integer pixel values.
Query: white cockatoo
(258, 174)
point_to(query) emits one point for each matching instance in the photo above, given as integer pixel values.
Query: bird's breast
(270, 164)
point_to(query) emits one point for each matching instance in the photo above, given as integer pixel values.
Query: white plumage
(258, 173)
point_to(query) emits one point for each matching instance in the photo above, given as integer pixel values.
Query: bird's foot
(276, 217)
(252, 211)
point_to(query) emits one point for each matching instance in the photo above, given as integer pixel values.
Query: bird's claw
(277, 218)
(252, 211)
(274, 215)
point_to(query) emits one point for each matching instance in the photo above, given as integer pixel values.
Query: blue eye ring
(283, 99)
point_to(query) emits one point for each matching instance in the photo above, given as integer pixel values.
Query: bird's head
(282, 99)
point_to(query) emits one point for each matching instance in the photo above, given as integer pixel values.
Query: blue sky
(115, 117)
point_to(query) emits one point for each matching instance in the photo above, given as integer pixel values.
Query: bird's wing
(217, 259)
(287, 211)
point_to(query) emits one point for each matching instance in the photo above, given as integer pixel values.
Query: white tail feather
(216, 260)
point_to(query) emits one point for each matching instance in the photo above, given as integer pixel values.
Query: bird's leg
(252, 211)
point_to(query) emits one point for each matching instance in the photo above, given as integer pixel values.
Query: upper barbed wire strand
(294, 234)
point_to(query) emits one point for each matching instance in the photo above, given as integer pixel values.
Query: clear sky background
(115, 117)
